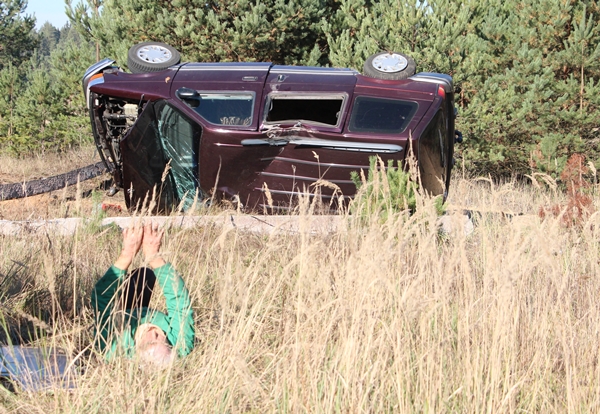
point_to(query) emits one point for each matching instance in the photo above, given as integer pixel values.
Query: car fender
(90, 73)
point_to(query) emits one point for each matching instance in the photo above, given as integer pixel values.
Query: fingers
(149, 233)
(132, 241)
(152, 238)
(152, 230)
(151, 245)
(132, 233)
(136, 229)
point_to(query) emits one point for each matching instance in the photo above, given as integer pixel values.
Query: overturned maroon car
(260, 133)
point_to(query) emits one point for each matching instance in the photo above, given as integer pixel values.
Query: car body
(260, 133)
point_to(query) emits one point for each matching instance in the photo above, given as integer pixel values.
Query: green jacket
(115, 331)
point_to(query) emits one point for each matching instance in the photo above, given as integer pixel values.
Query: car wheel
(389, 65)
(151, 57)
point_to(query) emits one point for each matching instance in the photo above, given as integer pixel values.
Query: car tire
(151, 57)
(389, 65)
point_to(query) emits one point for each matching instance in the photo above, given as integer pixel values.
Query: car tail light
(441, 92)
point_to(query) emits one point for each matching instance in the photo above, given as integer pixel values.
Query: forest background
(529, 71)
(386, 314)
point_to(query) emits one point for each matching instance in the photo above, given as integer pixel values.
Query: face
(152, 346)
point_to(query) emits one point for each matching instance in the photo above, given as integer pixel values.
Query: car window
(388, 116)
(226, 108)
(316, 109)
(180, 138)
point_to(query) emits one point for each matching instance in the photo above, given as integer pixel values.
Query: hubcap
(154, 54)
(390, 63)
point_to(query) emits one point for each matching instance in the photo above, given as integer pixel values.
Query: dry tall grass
(378, 317)
(45, 165)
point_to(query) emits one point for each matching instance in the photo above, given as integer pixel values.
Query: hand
(132, 240)
(151, 245)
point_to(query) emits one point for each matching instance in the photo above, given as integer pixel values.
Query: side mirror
(189, 96)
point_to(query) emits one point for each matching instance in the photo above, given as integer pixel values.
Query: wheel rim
(154, 54)
(390, 63)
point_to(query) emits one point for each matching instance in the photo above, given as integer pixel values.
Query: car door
(160, 159)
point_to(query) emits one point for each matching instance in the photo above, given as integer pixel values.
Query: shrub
(385, 190)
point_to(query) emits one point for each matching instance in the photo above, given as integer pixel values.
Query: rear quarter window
(387, 116)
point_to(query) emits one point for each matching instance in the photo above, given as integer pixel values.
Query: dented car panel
(240, 130)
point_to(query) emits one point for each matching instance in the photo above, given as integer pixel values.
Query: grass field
(381, 316)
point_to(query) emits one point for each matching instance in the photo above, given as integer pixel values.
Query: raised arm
(181, 317)
(103, 294)
(132, 241)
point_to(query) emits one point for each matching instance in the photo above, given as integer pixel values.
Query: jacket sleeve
(180, 314)
(103, 300)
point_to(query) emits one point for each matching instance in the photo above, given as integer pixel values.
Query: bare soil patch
(83, 200)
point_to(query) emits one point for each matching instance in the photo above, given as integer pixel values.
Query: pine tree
(280, 31)
(69, 34)
(83, 16)
(49, 37)
(17, 38)
(10, 87)
(41, 104)
(529, 97)
(430, 32)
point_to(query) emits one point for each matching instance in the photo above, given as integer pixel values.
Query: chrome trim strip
(309, 96)
(219, 69)
(315, 71)
(264, 141)
(348, 145)
(264, 69)
(327, 143)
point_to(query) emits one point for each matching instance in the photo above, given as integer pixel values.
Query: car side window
(323, 110)
(226, 108)
(388, 116)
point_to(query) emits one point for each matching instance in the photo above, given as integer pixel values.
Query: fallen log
(45, 185)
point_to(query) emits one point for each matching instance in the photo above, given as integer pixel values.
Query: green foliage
(49, 37)
(529, 71)
(17, 39)
(42, 107)
(94, 223)
(272, 30)
(10, 86)
(431, 32)
(528, 105)
(386, 190)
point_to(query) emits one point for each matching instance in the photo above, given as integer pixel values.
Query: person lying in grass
(124, 323)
